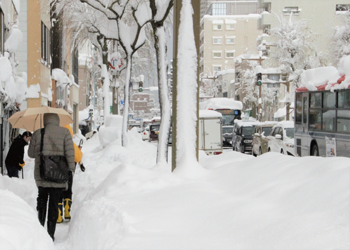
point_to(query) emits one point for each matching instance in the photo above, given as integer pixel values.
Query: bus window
(329, 100)
(315, 119)
(298, 111)
(344, 99)
(328, 120)
(305, 108)
(343, 121)
(315, 100)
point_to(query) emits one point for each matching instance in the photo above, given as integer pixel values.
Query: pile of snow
(14, 39)
(209, 113)
(220, 103)
(20, 228)
(111, 131)
(60, 77)
(313, 78)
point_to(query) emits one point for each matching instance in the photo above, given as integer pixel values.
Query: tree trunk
(162, 152)
(126, 103)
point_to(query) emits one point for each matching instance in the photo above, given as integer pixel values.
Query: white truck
(210, 132)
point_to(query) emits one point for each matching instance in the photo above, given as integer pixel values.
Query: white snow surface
(14, 40)
(122, 202)
(220, 103)
(313, 78)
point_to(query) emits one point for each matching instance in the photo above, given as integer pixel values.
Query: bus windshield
(227, 119)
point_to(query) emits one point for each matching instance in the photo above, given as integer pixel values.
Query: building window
(230, 40)
(216, 68)
(45, 44)
(289, 10)
(217, 26)
(219, 9)
(217, 54)
(1, 32)
(217, 41)
(230, 54)
(342, 7)
(230, 26)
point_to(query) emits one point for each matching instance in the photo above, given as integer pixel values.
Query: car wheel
(260, 152)
(314, 151)
(269, 150)
(282, 151)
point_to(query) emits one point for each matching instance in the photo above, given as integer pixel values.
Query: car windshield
(289, 132)
(227, 130)
(266, 130)
(155, 127)
(247, 130)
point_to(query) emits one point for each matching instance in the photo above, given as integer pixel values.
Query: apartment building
(321, 16)
(33, 54)
(229, 29)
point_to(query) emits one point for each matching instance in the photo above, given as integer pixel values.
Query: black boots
(41, 213)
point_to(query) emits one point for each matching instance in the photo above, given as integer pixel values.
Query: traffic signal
(259, 79)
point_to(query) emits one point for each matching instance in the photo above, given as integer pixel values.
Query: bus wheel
(314, 151)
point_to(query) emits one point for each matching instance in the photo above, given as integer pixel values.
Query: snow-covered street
(123, 201)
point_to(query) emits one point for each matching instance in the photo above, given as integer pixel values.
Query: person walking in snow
(57, 141)
(67, 194)
(14, 159)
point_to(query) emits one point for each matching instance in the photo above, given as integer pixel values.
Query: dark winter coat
(57, 141)
(16, 153)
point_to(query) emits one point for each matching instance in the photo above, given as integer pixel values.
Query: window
(329, 100)
(344, 99)
(230, 26)
(230, 40)
(216, 68)
(218, 9)
(230, 54)
(315, 100)
(342, 7)
(343, 121)
(217, 54)
(217, 26)
(299, 109)
(1, 32)
(328, 118)
(289, 10)
(217, 40)
(45, 44)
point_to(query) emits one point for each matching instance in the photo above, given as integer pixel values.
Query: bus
(229, 108)
(322, 120)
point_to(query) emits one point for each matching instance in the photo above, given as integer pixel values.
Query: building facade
(321, 15)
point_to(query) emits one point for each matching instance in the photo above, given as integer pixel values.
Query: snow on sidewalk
(269, 202)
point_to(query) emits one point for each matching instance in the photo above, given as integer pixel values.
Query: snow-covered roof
(220, 103)
(246, 123)
(209, 113)
(326, 78)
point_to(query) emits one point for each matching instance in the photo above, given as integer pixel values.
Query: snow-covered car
(260, 140)
(281, 139)
(145, 133)
(242, 135)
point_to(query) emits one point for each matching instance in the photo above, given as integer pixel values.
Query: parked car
(227, 136)
(145, 133)
(260, 140)
(153, 132)
(242, 136)
(281, 139)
